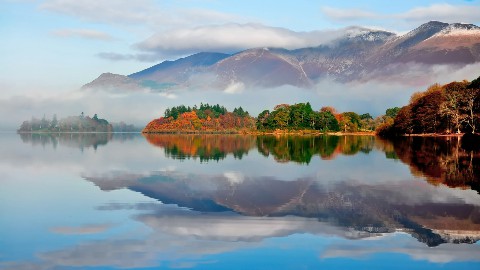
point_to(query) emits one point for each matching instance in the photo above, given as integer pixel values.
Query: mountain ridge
(358, 54)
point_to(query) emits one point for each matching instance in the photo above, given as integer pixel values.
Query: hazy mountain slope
(180, 70)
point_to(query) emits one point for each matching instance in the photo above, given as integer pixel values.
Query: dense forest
(205, 118)
(301, 116)
(79, 123)
(296, 117)
(441, 109)
(284, 117)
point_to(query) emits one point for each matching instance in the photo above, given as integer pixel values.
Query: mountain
(181, 70)
(361, 53)
(432, 43)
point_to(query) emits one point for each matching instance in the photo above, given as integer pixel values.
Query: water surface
(124, 201)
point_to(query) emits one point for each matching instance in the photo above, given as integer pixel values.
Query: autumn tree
(367, 122)
(426, 110)
(454, 107)
(281, 117)
(451, 108)
(350, 122)
(471, 104)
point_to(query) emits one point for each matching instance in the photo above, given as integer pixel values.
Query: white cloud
(83, 33)
(233, 38)
(234, 177)
(235, 88)
(443, 12)
(221, 227)
(140, 12)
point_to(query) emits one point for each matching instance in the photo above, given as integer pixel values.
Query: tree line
(283, 117)
(301, 116)
(441, 109)
(203, 111)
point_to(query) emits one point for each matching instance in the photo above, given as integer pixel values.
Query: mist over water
(372, 96)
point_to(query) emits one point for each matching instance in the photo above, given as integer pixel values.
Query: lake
(125, 201)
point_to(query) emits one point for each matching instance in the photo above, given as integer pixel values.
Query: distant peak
(439, 23)
(109, 75)
(431, 25)
(366, 34)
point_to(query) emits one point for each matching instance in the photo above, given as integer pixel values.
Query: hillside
(361, 53)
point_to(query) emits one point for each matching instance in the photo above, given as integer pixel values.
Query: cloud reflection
(181, 237)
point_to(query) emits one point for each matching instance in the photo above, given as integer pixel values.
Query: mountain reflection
(431, 215)
(75, 140)
(441, 161)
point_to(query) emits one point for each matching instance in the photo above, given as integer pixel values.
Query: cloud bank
(136, 13)
(231, 38)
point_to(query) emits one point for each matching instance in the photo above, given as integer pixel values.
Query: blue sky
(55, 46)
(50, 48)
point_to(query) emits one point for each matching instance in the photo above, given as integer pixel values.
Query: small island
(204, 118)
(79, 123)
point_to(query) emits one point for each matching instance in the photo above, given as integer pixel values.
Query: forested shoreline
(284, 118)
(453, 108)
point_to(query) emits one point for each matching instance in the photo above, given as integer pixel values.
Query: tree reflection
(299, 149)
(75, 140)
(441, 159)
(205, 146)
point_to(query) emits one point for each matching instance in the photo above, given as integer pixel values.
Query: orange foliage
(189, 122)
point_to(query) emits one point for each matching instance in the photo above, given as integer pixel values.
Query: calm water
(124, 201)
